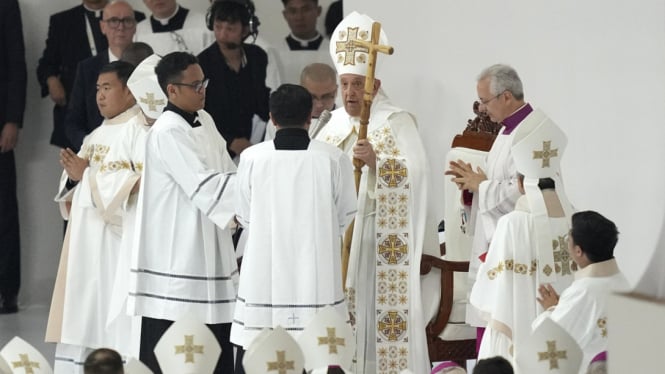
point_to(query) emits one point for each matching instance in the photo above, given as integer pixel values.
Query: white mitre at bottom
(549, 350)
(21, 357)
(276, 351)
(188, 347)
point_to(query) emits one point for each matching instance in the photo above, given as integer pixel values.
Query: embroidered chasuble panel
(392, 251)
(96, 156)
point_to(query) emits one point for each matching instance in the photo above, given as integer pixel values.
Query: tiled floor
(30, 324)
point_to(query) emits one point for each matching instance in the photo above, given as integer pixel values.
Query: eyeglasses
(485, 102)
(325, 98)
(196, 86)
(127, 22)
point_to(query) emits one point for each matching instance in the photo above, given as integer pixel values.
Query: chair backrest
(471, 146)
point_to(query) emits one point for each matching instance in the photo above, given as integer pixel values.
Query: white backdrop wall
(596, 67)
(37, 161)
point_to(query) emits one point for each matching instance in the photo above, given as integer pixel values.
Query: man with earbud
(237, 96)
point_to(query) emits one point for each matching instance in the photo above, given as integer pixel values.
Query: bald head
(321, 82)
(119, 25)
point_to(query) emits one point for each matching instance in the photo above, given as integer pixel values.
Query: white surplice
(296, 204)
(182, 258)
(100, 202)
(582, 307)
(194, 36)
(507, 284)
(291, 62)
(394, 226)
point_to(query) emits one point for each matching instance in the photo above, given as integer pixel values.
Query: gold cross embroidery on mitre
(392, 326)
(349, 46)
(546, 153)
(552, 355)
(393, 249)
(150, 100)
(189, 349)
(281, 365)
(25, 363)
(331, 340)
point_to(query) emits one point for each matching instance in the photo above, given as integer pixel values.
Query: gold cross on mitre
(331, 340)
(552, 355)
(25, 363)
(189, 349)
(281, 365)
(150, 100)
(546, 153)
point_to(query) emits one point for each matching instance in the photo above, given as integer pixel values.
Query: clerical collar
(511, 122)
(601, 269)
(297, 44)
(96, 12)
(291, 139)
(172, 23)
(112, 57)
(191, 118)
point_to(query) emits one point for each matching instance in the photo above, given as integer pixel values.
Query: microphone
(323, 120)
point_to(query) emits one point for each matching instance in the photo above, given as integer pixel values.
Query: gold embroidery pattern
(563, 264)
(331, 340)
(392, 254)
(25, 363)
(511, 265)
(281, 366)
(546, 154)
(95, 153)
(602, 325)
(347, 48)
(189, 349)
(351, 302)
(552, 355)
(121, 165)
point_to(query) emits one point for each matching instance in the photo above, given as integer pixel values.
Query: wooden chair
(439, 349)
(479, 135)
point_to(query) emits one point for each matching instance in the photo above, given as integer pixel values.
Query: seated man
(582, 308)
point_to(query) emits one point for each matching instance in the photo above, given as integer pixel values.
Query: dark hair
(287, 1)
(103, 361)
(122, 70)
(136, 52)
(169, 69)
(493, 365)
(230, 11)
(290, 105)
(595, 235)
(543, 183)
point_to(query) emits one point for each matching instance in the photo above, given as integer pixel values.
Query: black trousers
(10, 246)
(152, 330)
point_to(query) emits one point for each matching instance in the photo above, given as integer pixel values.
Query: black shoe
(8, 305)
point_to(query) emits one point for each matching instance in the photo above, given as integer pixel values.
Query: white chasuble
(393, 228)
(100, 202)
(183, 261)
(296, 205)
(507, 284)
(194, 36)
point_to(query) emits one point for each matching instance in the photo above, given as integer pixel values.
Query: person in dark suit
(73, 35)
(13, 78)
(118, 24)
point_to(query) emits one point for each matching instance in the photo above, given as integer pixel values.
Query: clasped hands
(73, 164)
(464, 176)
